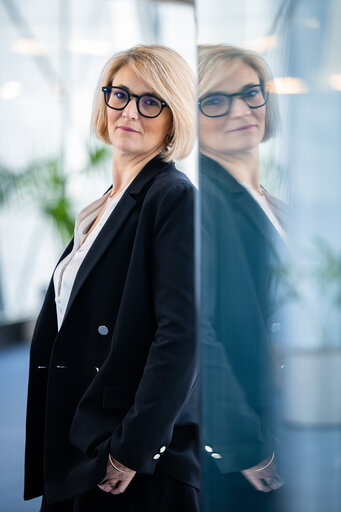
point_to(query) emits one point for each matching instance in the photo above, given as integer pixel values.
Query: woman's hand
(264, 476)
(116, 481)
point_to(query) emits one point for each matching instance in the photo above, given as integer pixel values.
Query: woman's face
(129, 132)
(242, 129)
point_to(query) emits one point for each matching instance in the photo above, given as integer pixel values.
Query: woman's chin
(126, 148)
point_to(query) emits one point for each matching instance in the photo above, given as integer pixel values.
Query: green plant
(44, 184)
(315, 275)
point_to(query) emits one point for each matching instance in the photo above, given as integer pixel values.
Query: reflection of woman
(242, 225)
(112, 418)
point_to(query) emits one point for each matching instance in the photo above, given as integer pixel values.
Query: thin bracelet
(268, 464)
(113, 465)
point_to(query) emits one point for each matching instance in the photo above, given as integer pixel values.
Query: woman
(242, 235)
(112, 418)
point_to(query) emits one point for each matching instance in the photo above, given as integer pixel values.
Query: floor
(13, 383)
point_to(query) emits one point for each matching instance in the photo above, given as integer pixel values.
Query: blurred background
(51, 166)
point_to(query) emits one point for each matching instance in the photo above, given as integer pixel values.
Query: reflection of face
(243, 128)
(128, 131)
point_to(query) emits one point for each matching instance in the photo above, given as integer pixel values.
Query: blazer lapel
(247, 204)
(116, 221)
(241, 200)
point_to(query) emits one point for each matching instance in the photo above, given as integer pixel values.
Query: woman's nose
(130, 110)
(239, 107)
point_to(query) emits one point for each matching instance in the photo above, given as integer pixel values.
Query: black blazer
(121, 374)
(241, 253)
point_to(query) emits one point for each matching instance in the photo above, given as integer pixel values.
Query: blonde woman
(112, 420)
(243, 236)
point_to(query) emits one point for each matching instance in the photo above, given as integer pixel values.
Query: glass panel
(270, 257)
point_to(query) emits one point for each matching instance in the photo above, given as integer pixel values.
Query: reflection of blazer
(239, 256)
(120, 375)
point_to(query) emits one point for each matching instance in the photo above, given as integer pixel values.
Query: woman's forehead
(127, 77)
(232, 76)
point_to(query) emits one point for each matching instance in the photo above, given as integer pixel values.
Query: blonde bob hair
(217, 60)
(170, 78)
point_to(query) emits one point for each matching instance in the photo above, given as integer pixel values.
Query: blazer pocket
(117, 396)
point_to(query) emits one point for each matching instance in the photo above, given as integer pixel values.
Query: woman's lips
(127, 129)
(243, 128)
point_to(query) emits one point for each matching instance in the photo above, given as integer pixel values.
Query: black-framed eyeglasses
(218, 104)
(147, 105)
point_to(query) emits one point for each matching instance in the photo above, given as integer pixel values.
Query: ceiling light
(287, 85)
(262, 44)
(10, 90)
(29, 47)
(335, 81)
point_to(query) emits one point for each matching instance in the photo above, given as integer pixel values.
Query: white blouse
(264, 204)
(66, 271)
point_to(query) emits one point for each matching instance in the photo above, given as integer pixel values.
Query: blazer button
(156, 456)
(103, 329)
(216, 455)
(162, 449)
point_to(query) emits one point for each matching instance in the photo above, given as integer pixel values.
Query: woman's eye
(120, 95)
(214, 100)
(251, 93)
(150, 102)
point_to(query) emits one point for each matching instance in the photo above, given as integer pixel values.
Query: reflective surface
(243, 241)
(270, 277)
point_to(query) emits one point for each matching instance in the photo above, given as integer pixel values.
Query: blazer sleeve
(171, 366)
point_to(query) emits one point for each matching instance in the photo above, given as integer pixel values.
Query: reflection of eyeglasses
(147, 104)
(219, 104)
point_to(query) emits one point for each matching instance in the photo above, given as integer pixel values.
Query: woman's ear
(167, 141)
(169, 137)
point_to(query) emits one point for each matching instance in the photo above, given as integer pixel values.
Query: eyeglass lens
(148, 106)
(220, 104)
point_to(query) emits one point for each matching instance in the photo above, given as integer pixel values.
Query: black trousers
(145, 493)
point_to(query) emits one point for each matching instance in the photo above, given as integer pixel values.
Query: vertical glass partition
(269, 131)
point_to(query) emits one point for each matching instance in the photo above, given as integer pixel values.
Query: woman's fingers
(271, 477)
(122, 485)
(264, 476)
(115, 481)
(264, 481)
(256, 481)
(275, 482)
(105, 486)
(114, 487)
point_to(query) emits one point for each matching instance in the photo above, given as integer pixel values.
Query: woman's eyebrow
(244, 88)
(125, 88)
(248, 86)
